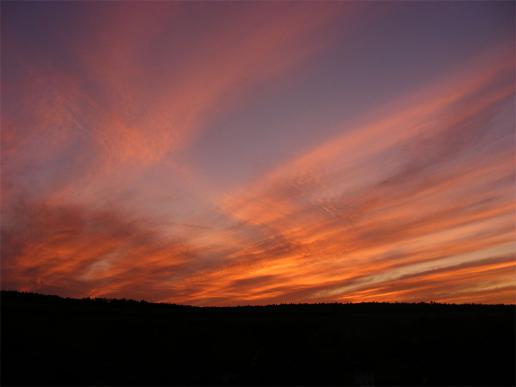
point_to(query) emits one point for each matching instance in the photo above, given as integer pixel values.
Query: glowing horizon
(252, 153)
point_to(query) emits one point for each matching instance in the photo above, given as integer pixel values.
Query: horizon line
(109, 299)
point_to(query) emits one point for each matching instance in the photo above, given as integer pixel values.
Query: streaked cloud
(412, 200)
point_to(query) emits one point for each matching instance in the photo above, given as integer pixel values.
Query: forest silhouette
(49, 340)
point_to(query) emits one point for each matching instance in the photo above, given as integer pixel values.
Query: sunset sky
(223, 153)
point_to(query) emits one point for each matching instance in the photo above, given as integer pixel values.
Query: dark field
(47, 340)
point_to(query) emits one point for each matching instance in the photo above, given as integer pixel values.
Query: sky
(234, 153)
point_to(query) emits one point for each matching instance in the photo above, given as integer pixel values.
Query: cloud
(118, 106)
(82, 251)
(412, 202)
(429, 181)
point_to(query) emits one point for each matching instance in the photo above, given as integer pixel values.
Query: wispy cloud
(413, 200)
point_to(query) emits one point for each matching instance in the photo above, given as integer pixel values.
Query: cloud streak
(412, 201)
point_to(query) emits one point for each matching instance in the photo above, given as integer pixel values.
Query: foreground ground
(47, 340)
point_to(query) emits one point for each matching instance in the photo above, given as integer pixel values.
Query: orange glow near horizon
(257, 153)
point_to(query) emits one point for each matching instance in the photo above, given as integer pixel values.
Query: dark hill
(48, 340)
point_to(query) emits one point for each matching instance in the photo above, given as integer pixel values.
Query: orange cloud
(407, 189)
(413, 202)
(123, 115)
(45, 248)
